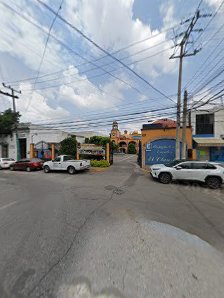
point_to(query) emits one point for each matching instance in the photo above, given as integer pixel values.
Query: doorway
(22, 148)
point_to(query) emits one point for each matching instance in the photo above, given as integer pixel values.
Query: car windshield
(172, 163)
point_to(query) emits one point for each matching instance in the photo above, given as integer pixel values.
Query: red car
(27, 164)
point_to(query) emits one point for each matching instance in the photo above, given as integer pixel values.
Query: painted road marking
(8, 205)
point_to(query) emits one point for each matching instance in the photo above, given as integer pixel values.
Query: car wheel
(71, 170)
(11, 168)
(213, 182)
(28, 169)
(46, 169)
(165, 178)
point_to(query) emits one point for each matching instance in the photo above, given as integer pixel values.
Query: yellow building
(123, 140)
(159, 142)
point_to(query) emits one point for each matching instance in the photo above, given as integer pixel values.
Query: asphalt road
(115, 233)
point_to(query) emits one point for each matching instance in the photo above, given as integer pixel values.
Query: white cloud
(26, 42)
(214, 3)
(35, 107)
(83, 93)
(111, 25)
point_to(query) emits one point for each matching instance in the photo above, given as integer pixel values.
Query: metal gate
(140, 154)
(111, 153)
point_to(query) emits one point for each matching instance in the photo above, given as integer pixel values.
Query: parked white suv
(207, 172)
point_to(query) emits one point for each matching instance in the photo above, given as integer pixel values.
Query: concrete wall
(219, 121)
(35, 135)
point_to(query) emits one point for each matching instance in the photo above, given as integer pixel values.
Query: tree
(115, 146)
(99, 140)
(86, 140)
(8, 121)
(68, 146)
(131, 148)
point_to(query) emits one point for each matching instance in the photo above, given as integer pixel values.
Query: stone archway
(123, 147)
(136, 143)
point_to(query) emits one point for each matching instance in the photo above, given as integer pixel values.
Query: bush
(131, 149)
(68, 146)
(100, 163)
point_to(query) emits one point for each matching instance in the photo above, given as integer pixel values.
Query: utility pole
(13, 96)
(184, 52)
(184, 146)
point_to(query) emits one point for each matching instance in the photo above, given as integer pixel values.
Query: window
(68, 158)
(199, 166)
(186, 165)
(57, 159)
(211, 167)
(205, 124)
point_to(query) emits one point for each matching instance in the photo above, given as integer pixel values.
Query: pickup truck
(66, 163)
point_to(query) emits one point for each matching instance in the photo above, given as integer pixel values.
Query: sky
(66, 81)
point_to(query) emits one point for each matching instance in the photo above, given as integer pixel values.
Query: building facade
(208, 134)
(159, 142)
(123, 140)
(41, 137)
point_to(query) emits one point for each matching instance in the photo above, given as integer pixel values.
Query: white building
(28, 133)
(208, 133)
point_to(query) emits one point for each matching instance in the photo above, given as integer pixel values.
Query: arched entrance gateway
(123, 140)
(123, 147)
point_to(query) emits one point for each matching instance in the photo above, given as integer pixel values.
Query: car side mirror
(178, 168)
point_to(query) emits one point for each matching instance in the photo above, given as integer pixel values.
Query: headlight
(156, 169)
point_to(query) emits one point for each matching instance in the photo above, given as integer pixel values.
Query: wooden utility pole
(184, 52)
(13, 96)
(184, 145)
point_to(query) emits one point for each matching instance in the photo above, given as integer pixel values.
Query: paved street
(115, 232)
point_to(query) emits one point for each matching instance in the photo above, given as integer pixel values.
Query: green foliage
(115, 146)
(99, 140)
(68, 146)
(100, 163)
(86, 140)
(8, 120)
(131, 149)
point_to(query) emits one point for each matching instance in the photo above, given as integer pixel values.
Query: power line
(103, 50)
(126, 47)
(69, 49)
(98, 75)
(109, 63)
(45, 46)
(204, 65)
(213, 97)
(44, 51)
(107, 117)
(210, 20)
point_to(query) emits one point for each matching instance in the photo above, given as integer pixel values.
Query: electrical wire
(103, 50)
